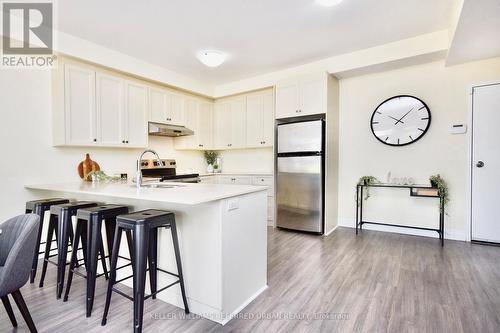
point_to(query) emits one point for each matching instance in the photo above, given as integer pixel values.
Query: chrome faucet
(138, 176)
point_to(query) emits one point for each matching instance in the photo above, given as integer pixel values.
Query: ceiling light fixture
(211, 58)
(328, 3)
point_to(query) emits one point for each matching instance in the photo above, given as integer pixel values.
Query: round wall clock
(400, 120)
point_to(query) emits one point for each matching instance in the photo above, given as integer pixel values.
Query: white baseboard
(328, 233)
(448, 234)
(227, 318)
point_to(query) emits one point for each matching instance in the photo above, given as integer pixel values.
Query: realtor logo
(27, 32)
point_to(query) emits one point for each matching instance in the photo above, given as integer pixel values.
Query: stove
(152, 170)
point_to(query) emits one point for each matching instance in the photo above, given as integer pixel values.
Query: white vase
(210, 168)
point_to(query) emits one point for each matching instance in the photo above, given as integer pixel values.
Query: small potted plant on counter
(210, 158)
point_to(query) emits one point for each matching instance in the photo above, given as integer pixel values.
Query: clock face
(400, 120)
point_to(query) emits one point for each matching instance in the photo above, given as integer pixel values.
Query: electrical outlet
(233, 204)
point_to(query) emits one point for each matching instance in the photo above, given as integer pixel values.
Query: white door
(110, 110)
(238, 123)
(176, 113)
(204, 126)
(222, 125)
(287, 99)
(255, 120)
(312, 95)
(268, 118)
(158, 107)
(79, 105)
(136, 107)
(485, 163)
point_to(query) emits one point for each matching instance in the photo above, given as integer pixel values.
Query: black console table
(413, 192)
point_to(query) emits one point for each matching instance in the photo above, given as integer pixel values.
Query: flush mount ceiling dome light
(328, 3)
(211, 58)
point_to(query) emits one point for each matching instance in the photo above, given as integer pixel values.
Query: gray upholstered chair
(18, 239)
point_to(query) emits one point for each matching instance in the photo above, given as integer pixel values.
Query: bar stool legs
(175, 240)
(144, 227)
(112, 275)
(48, 245)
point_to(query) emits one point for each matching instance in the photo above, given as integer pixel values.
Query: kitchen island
(222, 234)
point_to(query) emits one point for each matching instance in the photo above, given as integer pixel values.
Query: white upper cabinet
(99, 109)
(136, 110)
(110, 110)
(166, 107)
(238, 123)
(222, 125)
(230, 123)
(79, 114)
(198, 117)
(305, 95)
(204, 134)
(260, 119)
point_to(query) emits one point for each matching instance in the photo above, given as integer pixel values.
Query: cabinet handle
(126, 141)
(123, 141)
(95, 140)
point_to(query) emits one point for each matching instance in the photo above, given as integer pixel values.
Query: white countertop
(259, 174)
(185, 194)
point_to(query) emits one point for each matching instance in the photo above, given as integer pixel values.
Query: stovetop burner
(153, 171)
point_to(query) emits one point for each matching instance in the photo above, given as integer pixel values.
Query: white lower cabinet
(247, 180)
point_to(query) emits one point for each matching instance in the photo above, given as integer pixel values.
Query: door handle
(480, 164)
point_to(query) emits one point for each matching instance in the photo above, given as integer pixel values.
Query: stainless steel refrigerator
(300, 165)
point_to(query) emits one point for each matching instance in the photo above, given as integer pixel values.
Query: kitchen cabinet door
(159, 105)
(235, 180)
(287, 99)
(255, 120)
(110, 110)
(238, 123)
(176, 111)
(204, 128)
(79, 106)
(222, 125)
(136, 108)
(191, 122)
(312, 95)
(260, 120)
(268, 120)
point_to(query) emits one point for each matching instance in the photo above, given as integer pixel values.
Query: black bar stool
(144, 226)
(60, 218)
(39, 207)
(90, 222)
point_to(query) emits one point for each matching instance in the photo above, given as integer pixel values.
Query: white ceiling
(477, 35)
(259, 35)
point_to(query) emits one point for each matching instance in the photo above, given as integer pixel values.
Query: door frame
(470, 150)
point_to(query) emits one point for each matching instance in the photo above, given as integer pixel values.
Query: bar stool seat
(90, 222)
(144, 226)
(39, 207)
(61, 223)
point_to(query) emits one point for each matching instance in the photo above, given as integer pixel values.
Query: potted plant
(438, 182)
(367, 181)
(210, 158)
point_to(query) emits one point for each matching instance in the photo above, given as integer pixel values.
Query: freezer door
(300, 193)
(303, 136)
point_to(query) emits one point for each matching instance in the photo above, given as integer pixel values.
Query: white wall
(445, 90)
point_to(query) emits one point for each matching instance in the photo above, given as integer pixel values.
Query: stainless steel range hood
(160, 129)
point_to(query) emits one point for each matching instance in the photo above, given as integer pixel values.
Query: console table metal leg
(357, 208)
(441, 219)
(361, 208)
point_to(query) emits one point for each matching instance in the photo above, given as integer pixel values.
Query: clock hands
(399, 120)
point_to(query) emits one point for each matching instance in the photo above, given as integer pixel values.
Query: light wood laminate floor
(375, 282)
